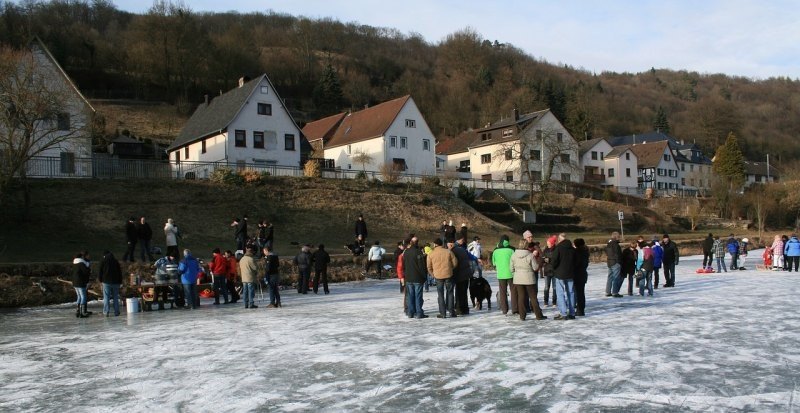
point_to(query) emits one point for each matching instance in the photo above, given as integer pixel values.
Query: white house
(608, 166)
(249, 125)
(66, 136)
(391, 133)
(657, 167)
(517, 149)
(759, 173)
(593, 153)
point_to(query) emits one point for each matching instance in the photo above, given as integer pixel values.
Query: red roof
(366, 124)
(323, 128)
(456, 144)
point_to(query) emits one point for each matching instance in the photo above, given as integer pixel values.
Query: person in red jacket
(232, 272)
(400, 274)
(219, 275)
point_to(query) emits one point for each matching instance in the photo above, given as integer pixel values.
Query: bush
(250, 176)
(361, 175)
(430, 180)
(312, 170)
(609, 195)
(389, 173)
(226, 176)
(466, 194)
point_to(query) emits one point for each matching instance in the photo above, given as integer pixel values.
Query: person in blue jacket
(658, 256)
(189, 268)
(791, 251)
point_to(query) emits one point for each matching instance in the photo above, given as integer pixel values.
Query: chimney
(206, 99)
(516, 114)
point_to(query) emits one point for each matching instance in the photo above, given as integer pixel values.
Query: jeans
(144, 246)
(721, 264)
(249, 293)
(613, 275)
(110, 292)
(734, 261)
(669, 273)
(566, 292)
(190, 294)
(81, 293)
(220, 288)
(647, 282)
(414, 300)
(274, 291)
(478, 267)
(445, 290)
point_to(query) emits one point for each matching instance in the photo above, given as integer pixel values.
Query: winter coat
(401, 271)
(262, 233)
(464, 233)
(414, 265)
(564, 260)
(450, 233)
(272, 264)
(463, 270)
(581, 264)
(733, 246)
(475, 248)
(376, 253)
(441, 262)
(110, 271)
(522, 266)
(145, 232)
(171, 233)
(189, 269)
(248, 268)
(719, 248)
(671, 254)
(647, 259)
(233, 268)
(742, 249)
(80, 273)
(501, 259)
(613, 253)
(270, 236)
(792, 247)
(361, 229)
(241, 230)
(708, 245)
(658, 255)
(131, 232)
(321, 259)
(218, 265)
(629, 257)
(547, 258)
(777, 247)
(302, 260)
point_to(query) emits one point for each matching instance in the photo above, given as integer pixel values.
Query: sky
(755, 39)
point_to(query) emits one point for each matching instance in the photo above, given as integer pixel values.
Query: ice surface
(721, 342)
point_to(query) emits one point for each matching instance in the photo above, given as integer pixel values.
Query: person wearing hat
(743, 243)
(669, 260)
(476, 250)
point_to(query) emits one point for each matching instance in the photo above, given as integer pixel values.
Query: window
(411, 123)
(403, 143)
(509, 176)
(463, 166)
(660, 185)
(288, 140)
(602, 156)
(264, 90)
(509, 155)
(508, 132)
(186, 153)
(667, 157)
(660, 172)
(610, 172)
(177, 156)
(559, 137)
(393, 141)
(538, 134)
(486, 177)
(691, 168)
(673, 173)
(691, 181)
(399, 164)
(203, 146)
(628, 172)
(566, 177)
(67, 163)
(264, 109)
(683, 181)
(683, 167)
(485, 136)
(627, 156)
(270, 140)
(564, 158)
(258, 140)
(536, 155)
(486, 158)
(63, 121)
(349, 151)
(594, 155)
(239, 140)
(426, 144)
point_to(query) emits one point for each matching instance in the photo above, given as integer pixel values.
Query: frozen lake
(727, 342)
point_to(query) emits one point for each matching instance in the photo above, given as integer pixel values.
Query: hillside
(321, 66)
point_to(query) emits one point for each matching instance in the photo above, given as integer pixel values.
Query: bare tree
(36, 114)
(359, 156)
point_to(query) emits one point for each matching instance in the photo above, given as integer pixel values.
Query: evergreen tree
(729, 162)
(660, 123)
(328, 96)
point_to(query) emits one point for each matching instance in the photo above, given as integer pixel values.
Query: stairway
(496, 206)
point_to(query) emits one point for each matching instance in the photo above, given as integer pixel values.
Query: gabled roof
(618, 151)
(36, 42)
(323, 128)
(586, 146)
(759, 168)
(522, 122)
(366, 124)
(649, 154)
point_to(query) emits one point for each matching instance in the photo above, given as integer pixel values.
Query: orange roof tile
(368, 123)
(323, 128)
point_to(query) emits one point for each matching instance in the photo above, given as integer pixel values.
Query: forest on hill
(321, 66)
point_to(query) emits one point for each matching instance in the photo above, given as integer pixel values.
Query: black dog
(479, 290)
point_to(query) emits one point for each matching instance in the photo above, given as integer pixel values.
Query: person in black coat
(145, 234)
(320, 258)
(708, 251)
(581, 275)
(361, 227)
(450, 232)
(669, 260)
(81, 271)
(563, 263)
(629, 257)
(415, 271)
(461, 275)
(131, 237)
(110, 276)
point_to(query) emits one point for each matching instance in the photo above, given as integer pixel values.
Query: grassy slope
(69, 215)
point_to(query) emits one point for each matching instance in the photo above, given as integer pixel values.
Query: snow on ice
(720, 342)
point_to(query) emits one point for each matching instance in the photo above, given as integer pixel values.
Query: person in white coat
(171, 234)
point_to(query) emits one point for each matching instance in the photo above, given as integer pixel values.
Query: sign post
(621, 217)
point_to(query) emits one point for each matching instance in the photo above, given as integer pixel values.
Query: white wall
(418, 160)
(620, 164)
(343, 159)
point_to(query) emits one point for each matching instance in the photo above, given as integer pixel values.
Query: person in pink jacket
(777, 253)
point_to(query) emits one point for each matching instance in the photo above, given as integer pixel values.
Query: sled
(207, 293)
(708, 270)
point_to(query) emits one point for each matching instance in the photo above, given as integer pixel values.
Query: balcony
(593, 178)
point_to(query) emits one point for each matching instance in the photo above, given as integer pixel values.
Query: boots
(78, 312)
(85, 312)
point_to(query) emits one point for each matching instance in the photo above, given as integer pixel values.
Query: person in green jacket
(501, 259)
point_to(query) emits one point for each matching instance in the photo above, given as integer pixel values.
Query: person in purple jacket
(658, 255)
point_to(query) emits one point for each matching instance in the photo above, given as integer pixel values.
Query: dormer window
(508, 132)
